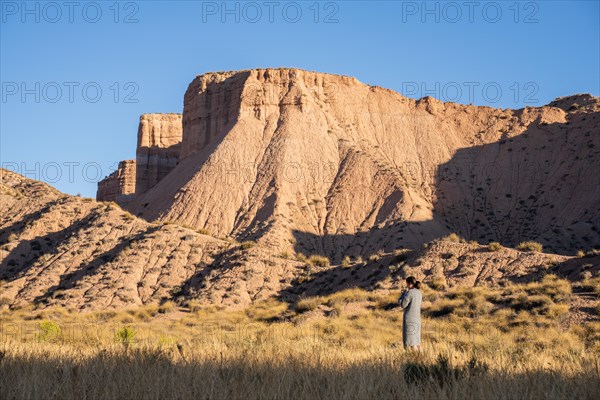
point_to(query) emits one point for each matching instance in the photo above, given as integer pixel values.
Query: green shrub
(125, 336)
(530, 246)
(49, 332)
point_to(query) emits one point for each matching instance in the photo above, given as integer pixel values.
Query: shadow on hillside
(529, 187)
(28, 252)
(19, 226)
(146, 154)
(513, 190)
(221, 263)
(70, 280)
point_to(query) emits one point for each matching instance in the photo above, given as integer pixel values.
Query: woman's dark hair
(411, 280)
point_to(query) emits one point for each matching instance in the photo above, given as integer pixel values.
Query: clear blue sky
(533, 52)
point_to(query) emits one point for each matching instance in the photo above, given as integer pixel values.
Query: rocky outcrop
(120, 185)
(158, 147)
(157, 153)
(318, 163)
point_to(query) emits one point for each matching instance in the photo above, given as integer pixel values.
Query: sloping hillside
(65, 250)
(60, 249)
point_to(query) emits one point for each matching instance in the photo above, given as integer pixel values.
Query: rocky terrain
(265, 168)
(120, 185)
(65, 250)
(324, 164)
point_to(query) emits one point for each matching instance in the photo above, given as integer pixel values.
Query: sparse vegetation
(301, 257)
(247, 244)
(319, 261)
(125, 336)
(376, 256)
(346, 262)
(453, 238)
(494, 246)
(491, 341)
(285, 255)
(437, 282)
(530, 246)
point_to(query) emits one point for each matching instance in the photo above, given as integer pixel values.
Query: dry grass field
(479, 343)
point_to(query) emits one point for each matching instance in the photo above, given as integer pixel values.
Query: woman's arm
(405, 299)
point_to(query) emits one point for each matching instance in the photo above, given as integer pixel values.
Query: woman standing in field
(410, 301)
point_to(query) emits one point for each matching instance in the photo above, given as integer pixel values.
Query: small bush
(125, 336)
(49, 332)
(285, 255)
(168, 306)
(308, 304)
(438, 283)
(128, 217)
(346, 262)
(591, 285)
(494, 246)
(319, 261)
(530, 246)
(247, 244)
(453, 238)
(377, 256)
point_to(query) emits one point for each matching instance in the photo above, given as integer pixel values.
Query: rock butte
(304, 162)
(318, 163)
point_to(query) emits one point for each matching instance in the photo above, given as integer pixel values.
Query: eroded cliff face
(321, 163)
(157, 153)
(120, 185)
(158, 148)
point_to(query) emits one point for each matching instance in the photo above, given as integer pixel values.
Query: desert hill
(323, 164)
(65, 250)
(61, 249)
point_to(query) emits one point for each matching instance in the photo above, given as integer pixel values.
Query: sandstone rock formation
(323, 164)
(157, 153)
(158, 147)
(120, 185)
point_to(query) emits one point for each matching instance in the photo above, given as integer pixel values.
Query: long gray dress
(410, 301)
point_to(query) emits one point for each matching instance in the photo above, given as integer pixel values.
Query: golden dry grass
(479, 349)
